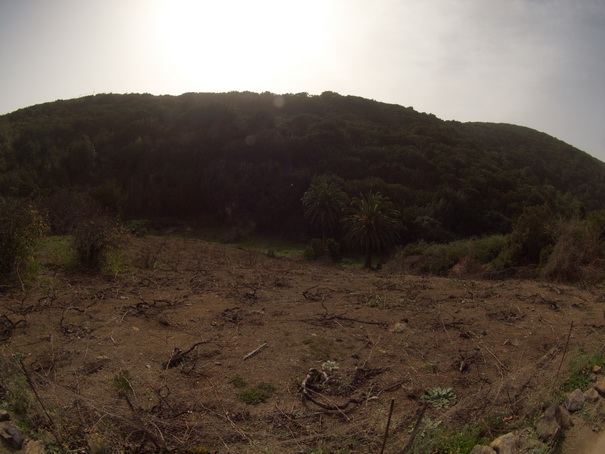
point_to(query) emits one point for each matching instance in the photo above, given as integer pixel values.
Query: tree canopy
(373, 225)
(325, 203)
(246, 156)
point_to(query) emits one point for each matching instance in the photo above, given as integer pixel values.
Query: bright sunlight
(211, 43)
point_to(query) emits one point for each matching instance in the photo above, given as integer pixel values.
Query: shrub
(532, 232)
(315, 250)
(439, 259)
(137, 227)
(333, 248)
(21, 225)
(94, 238)
(319, 248)
(577, 246)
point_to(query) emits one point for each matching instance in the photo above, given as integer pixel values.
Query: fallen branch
(255, 351)
(178, 355)
(386, 430)
(565, 350)
(7, 327)
(410, 442)
(317, 376)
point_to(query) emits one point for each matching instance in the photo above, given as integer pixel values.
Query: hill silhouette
(247, 158)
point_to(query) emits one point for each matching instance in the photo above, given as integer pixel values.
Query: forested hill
(247, 157)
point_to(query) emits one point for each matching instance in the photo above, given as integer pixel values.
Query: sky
(536, 63)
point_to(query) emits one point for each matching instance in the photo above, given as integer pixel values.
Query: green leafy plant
(436, 438)
(258, 394)
(439, 397)
(330, 365)
(123, 381)
(581, 367)
(238, 381)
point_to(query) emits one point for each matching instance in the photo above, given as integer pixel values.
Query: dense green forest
(246, 159)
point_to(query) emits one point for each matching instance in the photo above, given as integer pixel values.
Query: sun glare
(223, 45)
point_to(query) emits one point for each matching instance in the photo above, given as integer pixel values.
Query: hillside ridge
(254, 155)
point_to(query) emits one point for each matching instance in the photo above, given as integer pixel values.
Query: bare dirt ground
(163, 355)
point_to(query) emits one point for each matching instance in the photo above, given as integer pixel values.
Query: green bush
(21, 225)
(439, 259)
(532, 233)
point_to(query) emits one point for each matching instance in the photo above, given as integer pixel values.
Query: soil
(168, 353)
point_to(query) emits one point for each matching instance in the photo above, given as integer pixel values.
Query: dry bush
(468, 267)
(21, 225)
(576, 254)
(94, 238)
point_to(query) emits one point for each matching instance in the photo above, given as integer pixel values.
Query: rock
(399, 328)
(478, 449)
(4, 415)
(565, 421)
(505, 444)
(548, 426)
(599, 409)
(12, 435)
(591, 395)
(575, 400)
(600, 386)
(34, 447)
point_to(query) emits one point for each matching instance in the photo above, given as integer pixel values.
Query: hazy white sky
(537, 63)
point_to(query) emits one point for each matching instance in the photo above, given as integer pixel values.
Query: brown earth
(158, 356)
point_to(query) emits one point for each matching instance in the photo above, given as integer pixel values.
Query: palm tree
(374, 225)
(324, 204)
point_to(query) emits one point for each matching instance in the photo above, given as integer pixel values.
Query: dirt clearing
(198, 347)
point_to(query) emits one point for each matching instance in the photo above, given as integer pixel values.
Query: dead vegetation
(173, 353)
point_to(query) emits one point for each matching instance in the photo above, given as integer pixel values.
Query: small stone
(575, 400)
(591, 395)
(479, 449)
(399, 328)
(505, 444)
(548, 426)
(596, 369)
(5, 415)
(566, 421)
(599, 409)
(600, 386)
(34, 447)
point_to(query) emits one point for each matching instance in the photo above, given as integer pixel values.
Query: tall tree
(324, 204)
(374, 225)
